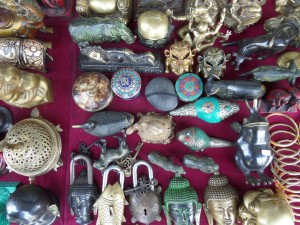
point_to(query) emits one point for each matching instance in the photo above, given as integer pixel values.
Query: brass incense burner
(23, 89)
(32, 147)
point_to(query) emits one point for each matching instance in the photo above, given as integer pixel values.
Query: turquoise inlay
(189, 87)
(6, 188)
(208, 109)
(201, 135)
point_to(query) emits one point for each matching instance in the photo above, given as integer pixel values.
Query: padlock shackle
(107, 171)
(88, 165)
(134, 172)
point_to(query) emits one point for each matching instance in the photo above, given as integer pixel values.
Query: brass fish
(110, 206)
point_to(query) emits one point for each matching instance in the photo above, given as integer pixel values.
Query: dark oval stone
(160, 92)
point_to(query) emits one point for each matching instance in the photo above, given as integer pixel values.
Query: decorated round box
(189, 87)
(126, 83)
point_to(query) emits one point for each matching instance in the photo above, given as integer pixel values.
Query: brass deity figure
(221, 201)
(265, 208)
(23, 89)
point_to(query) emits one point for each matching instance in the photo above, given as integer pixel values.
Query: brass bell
(82, 192)
(111, 203)
(145, 202)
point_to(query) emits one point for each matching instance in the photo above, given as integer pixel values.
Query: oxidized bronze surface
(23, 89)
(32, 147)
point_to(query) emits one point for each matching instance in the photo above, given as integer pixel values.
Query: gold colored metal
(21, 19)
(179, 59)
(240, 14)
(265, 208)
(23, 89)
(287, 6)
(32, 147)
(24, 53)
(285, 58)
(201, 16)
(121, 9)
(221, 201)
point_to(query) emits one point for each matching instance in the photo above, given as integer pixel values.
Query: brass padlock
(145, 202)
(111, 203)
(82, 192)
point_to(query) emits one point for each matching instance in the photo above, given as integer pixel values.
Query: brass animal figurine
(23, 89)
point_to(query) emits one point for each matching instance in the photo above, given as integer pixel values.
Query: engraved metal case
(32, 147)
(145, 202)
(82, 192)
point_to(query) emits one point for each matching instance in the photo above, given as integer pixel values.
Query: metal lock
(82, 192)
(145, 202)
(111, 203)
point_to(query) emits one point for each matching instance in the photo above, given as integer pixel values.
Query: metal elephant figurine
(145, 202)
(254, 152)
(83, 193)
(235, 89)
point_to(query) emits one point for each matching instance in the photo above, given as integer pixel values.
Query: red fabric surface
(64, 70)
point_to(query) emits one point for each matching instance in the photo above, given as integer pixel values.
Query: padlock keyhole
(145, 212)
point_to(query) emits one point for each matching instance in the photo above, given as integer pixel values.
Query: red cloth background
(64, 70)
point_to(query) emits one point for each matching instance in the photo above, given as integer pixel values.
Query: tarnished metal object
(98, 30)
(106, 123)
(24, 53)
(287, 6)
(212, 63)
(23, 89)
(34, 205)
(6, 188)
(95, 58)
(242, 14)
(92, 91)
(21, 19)
(165, 163)
(197, 140)
(145, 202)
(264, 208)
(254, 152)
(285, 58)
(204, 164)
(275, 73)
(153, 128)
(111, 203)
(203, 28)
(32, 146)
(82, 193)
(234, 89)
(108, 155)
(209, 109)
(179, 59)
(117, 9)
(221, 201)
(154, 29)
(6, 120)
(141, 6)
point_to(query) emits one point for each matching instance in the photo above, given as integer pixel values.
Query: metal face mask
(179, 58)
(213, 62)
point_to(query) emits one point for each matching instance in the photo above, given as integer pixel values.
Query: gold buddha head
(221, 201)
(264, 207)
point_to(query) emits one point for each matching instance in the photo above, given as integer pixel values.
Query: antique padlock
(82, 192)
(145, 202)
(111, 203)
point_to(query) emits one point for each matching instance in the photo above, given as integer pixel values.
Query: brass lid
(32, 147)
(153, 25)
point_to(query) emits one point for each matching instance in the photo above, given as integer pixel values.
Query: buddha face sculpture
(221, 201)
(181, 203)
(265, 208)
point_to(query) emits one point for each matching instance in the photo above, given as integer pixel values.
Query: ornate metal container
(189, 87)
(145, 201)
(92, 91)
(82, 192)
(126, 83)
(32, 147)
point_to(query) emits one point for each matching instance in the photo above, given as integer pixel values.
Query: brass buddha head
(264, 207)
(221, 201)
(181, 203)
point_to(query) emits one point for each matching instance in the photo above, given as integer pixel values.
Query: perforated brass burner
(32, 147)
